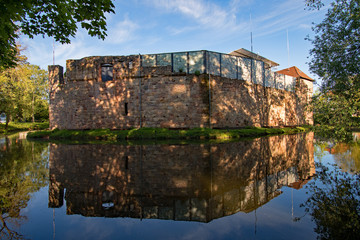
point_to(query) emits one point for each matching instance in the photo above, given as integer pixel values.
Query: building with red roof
(295, 72)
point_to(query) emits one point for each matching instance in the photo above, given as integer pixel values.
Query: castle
(177, 90)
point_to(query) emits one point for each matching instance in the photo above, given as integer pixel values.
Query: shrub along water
(161, 133)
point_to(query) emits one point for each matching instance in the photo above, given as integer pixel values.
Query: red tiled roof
(294, 72)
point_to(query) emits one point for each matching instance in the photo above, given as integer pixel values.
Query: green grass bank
(161, 133)
(19, 127)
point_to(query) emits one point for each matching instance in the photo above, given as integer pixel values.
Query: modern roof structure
(295, 72)
(242, 52)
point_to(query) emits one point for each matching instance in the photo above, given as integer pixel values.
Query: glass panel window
(106, 72)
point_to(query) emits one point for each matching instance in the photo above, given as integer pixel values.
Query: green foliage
(314, 4)
(333, 133)
(98, 134)
(336, 52)
(334, 203)
(41, 111)
(334, 115)
(154, 133)
(58, 19)
(160, 133)
(16, 127)
(336, 59)
(30, 125)
(332, 109)
(24, 92)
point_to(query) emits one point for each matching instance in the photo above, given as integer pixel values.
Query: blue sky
(158, 26)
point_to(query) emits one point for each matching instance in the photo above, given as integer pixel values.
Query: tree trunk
(7, 120)
(33, 106)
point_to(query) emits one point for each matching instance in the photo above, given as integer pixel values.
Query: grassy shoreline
(14, 127)
(161, 134)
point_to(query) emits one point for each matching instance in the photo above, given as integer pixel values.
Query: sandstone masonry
(174, 91)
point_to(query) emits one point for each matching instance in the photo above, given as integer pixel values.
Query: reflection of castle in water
(180, 182)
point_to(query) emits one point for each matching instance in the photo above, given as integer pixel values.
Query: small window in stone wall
(107, 72)
(126, 162)
(126, 109)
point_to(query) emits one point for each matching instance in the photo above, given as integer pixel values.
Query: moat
(251, 189)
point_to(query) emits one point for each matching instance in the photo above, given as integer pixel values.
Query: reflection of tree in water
(23, 170)
(334, 203)
(346, 154)
(320, 149)
(348, 158)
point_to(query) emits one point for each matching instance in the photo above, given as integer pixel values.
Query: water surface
(247, 189)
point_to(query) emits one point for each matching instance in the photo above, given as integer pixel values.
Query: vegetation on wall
(205, 95)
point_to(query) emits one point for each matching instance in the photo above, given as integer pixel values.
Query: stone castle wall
(140, 96)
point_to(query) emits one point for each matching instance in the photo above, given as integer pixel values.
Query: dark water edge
(247, 189)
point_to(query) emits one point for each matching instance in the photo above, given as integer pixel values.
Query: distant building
(300, 76)
(295, 72)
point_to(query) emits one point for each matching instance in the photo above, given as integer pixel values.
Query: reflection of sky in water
(271, 220)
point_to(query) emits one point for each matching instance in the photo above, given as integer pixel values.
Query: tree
(9, 89)
(333, 115)
(336, 51)
(35, 86)
(335, 58)
(22, 90)
(53, 18)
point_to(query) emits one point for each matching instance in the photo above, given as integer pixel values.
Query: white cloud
(289, 14)
(237, 5)
(150, 26)
(234, 18)
(38, 50)
(123, 31)
(74, 50)
(207, 14)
